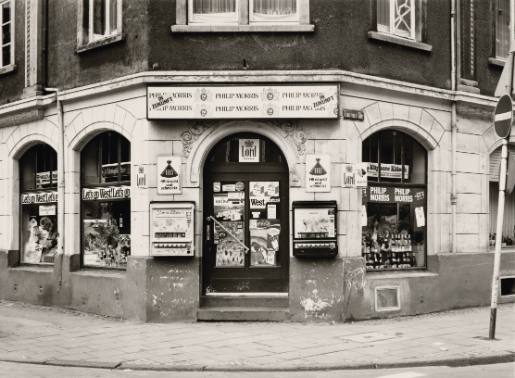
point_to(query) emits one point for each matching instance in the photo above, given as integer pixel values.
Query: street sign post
(503, 119)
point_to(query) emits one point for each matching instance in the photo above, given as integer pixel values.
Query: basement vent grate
(387, 298)
(508, 286)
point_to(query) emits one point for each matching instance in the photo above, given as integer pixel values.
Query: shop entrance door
(245, 245)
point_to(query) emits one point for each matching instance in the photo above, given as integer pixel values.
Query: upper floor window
(503, 28)
(101, 19)
(6, 33)
(234, 11)
(400, 18)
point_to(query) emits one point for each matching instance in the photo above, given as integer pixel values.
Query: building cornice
(142, 79)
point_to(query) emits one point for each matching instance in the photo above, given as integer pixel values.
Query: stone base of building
(165, 290)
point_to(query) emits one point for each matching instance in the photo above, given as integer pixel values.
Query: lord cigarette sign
(226, 102)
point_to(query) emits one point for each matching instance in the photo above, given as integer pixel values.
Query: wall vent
(508, 286)
(387, 298)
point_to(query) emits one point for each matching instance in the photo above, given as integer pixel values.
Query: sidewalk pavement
(43, 335)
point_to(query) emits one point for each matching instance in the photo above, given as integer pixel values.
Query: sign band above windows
(30, 198)
(106, 193)
(238, 102)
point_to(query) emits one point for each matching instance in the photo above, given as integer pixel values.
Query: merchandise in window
(399, 17)
(106, 217)
(255, 11)
(6, 33)
(394, 202)
(101, 19)
(38, 199)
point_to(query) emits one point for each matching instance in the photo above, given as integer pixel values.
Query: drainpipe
(454, 127)
(60, 180)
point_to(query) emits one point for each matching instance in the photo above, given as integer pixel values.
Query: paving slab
(43, 335)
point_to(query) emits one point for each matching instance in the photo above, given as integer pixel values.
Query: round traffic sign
(503, 116)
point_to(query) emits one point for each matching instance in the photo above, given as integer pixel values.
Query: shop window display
(38, 199)
(105, 176)
(394, 203)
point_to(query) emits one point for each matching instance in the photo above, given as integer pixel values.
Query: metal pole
(498, 239)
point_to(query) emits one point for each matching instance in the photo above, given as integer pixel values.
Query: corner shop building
(125, 168)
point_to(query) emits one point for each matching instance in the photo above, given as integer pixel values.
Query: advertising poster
(169, 174)
(248, 150)
(229, 253)
(264, 241)
(318, 173)
(228, 208)
(314, 223)
(355, 175)
(388, 194)
(392, 171)
(263, 192)
(39, 239)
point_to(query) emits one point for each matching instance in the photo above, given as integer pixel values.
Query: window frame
(98, 139)
(245, 22)
(404, 138)
(511, 31)
(23, 161)
(12, 30)
(86, 36)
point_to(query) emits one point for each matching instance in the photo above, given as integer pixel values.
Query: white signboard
(45, 210)
(223, 102)
(393, 171)
(106, 193)
(248, 150)
(169, 174)
(318, 173)
(30, 198)
(355, 175)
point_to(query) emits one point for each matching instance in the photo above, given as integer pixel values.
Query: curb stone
(451, 362)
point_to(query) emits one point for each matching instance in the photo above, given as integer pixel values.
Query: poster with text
(318, 173)
(263, 192)
(264, 241)
(169, 174)
(228, 208)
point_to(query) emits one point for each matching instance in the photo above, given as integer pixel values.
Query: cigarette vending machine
(172, 229)
(315, 229)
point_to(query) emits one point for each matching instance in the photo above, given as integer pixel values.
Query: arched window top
(106, 160)
(38, 168)
(395, 157)
(240, 148)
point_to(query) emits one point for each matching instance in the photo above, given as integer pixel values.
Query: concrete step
(273, 300)
(242, 314)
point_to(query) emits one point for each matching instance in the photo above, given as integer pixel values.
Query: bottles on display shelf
(388, 251)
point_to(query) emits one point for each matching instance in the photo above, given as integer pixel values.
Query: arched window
(38, 199)
(394, 203)
(105, 204)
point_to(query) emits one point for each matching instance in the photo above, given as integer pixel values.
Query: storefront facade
(132, 250)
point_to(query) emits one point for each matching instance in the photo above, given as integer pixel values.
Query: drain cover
(369, 337)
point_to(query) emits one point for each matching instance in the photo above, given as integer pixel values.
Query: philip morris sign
(224, 102)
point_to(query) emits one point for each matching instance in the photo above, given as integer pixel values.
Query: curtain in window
(502, 29)
(214, 6)
(383, 16)
(275, 7)
(99, 25)
(113, 16)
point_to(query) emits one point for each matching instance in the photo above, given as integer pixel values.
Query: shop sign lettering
(30, 198)
(223, 102)
(393, 171)
(393, 195)
(248, 150)
(106, 193)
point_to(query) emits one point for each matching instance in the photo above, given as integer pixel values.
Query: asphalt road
(15, 370)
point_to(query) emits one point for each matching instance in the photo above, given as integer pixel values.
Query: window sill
(92, 272)
(255, 28)
(7, 69)
(496, 61)
(384, 275)
(399, 41)
(43, 268)
(99, 43)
